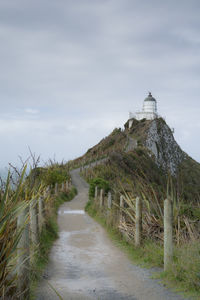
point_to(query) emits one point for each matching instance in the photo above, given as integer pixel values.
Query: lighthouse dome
(149, 98)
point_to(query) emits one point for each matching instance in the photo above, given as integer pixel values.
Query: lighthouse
(149, 110)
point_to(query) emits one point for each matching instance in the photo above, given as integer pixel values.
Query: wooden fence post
(109, 200)
(138, 222)
(40, 214)
(46, 192)
(23, 257)
(96, 192)
(33, 229)
(121, 203)
(33, 222)
(66, 186)
(168, 234)
(101, 197)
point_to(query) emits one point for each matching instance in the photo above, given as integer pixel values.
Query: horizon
(42, 162)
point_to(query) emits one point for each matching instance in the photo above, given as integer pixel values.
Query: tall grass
(185, 268)
(185, 223)
(11, 207)
(184, 271)
(14, 200)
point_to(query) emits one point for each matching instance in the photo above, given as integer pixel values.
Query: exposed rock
(131, 144)
(161, 143)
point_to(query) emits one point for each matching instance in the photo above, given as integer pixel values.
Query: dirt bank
(84, 264)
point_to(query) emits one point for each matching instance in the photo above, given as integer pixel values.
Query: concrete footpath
(84, 263)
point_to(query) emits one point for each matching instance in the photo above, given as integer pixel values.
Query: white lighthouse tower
(149, 110)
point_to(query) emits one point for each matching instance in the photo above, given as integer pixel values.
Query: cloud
(72, 70)
(31, 111)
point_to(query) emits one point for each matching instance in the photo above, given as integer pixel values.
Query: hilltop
(145, 151)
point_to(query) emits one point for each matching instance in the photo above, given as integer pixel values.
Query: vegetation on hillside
(188, 181)
(135, 174)
(16, 194)
(140, 163)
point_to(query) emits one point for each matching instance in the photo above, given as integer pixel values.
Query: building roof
(150, 98)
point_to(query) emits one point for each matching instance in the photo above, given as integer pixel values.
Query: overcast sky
(71, 70)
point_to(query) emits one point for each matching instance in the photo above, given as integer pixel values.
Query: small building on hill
(149, 110)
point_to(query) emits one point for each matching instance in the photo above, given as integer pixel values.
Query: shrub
(55, 175)
(101, 183)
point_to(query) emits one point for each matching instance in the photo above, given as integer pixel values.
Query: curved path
(84, 264)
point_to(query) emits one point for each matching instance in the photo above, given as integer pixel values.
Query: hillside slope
(147, 151)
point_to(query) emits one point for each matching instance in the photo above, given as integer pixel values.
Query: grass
(48, 235)
(184, 274)
(13, 203)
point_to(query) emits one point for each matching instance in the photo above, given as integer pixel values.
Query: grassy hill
(146, 152)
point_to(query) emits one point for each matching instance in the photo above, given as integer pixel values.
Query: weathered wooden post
(56, 189)
(23, 256)
(40, 214)
(96, 192)
(47, 191)
(33, 223)
(46, 194)
(109, 200)
(138, 222)
(168, 234)
(66, 186)
(33, 229)
(121, 203)
(101, 198)
(63, 187)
